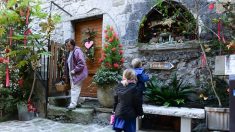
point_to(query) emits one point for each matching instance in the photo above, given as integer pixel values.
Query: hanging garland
(89, 44)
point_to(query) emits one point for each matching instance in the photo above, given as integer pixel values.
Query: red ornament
(7, 50)
(111, 40)
(111, 28)
(100, 60)
(113, 49)
(211, 6)
(122, 60)
(115, 65)
(1, 60)
(120, 45)
(21, 82)
(106, 36)
(121, 52)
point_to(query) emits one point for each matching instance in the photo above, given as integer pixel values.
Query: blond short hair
(136, 63)
(129, 74)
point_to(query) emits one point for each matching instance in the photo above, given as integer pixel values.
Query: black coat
(127, 101)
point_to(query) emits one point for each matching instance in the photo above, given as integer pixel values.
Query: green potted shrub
(173, 94)
(107, 77)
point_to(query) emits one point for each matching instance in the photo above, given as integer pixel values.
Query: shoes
(78, 106)
(71, 107)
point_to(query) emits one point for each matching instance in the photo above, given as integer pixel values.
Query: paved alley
(45, 125)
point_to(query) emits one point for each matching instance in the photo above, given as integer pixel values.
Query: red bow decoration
(219, 29)
(7, 77)
(3, 60)
(10, 36)
(203, 60)
(27, 15)
(26, 33)
(30, 106)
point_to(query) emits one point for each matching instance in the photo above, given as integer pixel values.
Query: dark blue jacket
(127, 101)
(142, 78)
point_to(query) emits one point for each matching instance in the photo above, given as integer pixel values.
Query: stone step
(78, 115)
(63, 101)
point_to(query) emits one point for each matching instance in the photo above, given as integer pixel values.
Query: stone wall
(125, 16)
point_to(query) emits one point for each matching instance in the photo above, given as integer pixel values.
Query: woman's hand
(72, 72)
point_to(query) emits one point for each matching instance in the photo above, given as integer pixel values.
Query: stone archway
(167, 17)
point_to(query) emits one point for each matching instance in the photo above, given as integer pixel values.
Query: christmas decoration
(112, 55)
(89, 44)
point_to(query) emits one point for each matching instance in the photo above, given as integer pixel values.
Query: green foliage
(106, 77)
(25, 49)
(111, 60)
(207, 96)
(173, 94)
(112, 56)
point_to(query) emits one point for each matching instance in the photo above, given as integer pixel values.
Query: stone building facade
(125, 16)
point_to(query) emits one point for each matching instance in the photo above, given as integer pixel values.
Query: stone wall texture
(125, 16)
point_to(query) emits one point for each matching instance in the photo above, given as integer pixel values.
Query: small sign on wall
(161, 65)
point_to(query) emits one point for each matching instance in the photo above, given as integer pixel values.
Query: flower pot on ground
(111, 64)
(106, 80)
(105, 95)
(217, 119)
(23, 113)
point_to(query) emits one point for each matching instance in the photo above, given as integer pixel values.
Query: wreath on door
(89, 43)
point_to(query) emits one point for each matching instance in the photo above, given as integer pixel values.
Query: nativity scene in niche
(168, 22)
(89, 44)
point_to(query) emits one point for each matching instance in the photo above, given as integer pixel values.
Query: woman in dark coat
(127, 103)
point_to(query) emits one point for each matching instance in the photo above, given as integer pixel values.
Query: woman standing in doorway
(75, 70)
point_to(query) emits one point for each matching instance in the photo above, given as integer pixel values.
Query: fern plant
(173, 94)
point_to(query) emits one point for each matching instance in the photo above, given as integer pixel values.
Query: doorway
(81, 28)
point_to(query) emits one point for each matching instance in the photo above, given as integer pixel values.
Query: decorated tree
(112, 56)
(111, 60)
(22, 47)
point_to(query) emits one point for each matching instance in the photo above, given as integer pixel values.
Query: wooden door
(88, 89)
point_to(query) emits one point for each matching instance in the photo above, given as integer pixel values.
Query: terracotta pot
(105, 95)
(217, 118)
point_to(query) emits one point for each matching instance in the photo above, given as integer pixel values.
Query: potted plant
(110, 71)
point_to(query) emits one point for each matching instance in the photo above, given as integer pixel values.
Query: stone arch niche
(167, 21)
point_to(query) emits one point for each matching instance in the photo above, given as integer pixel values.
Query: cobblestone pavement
(45, 125)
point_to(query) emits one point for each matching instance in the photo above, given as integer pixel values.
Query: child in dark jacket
(140, 73)
(127, 103)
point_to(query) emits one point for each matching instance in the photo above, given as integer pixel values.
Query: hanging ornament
(27, 15)
(10, 36)
(203, 60)
(211, 6)
(7, 77)
(26, 33)
(88, 44)
(219, 30)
